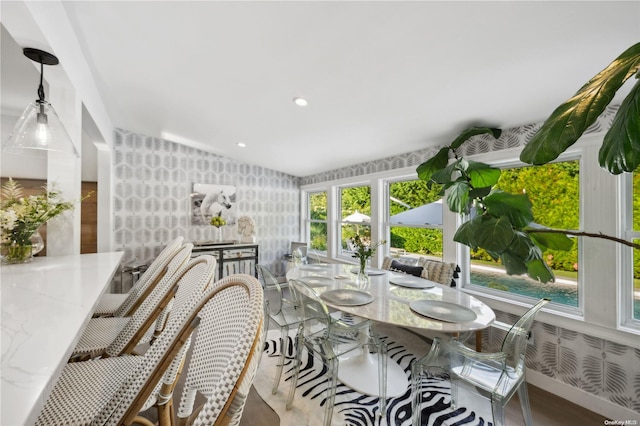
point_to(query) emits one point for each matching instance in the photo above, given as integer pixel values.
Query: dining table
(45, 305)
(393, 298)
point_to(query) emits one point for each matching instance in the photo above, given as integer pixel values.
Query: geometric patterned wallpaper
(605, 369)
(510, 138)
(153, 179)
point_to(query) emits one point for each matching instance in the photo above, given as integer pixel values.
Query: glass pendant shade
(39, 128)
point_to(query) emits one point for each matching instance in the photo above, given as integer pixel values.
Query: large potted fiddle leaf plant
(503, 223)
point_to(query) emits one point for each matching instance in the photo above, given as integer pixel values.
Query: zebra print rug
(351, 407)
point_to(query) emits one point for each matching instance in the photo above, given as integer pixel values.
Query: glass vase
(22, 252)
(363, 278)
(218, 238)
(17, 253)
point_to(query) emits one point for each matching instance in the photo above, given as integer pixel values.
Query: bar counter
(45, 305)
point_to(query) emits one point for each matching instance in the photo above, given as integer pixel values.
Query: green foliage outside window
(554, 191)
(352, 199)
(318, 230)
(414, 193)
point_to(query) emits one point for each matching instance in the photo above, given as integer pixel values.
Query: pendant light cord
(41, 87)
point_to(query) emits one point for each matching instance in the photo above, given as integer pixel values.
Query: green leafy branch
(620, 151)
(500, 222)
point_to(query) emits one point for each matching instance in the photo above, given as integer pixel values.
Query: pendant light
(39, 127)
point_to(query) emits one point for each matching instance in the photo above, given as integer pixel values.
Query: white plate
(347, 297)
(370, 271)
(314, 267)
(411, 282)
(443, 311)
(314, 281)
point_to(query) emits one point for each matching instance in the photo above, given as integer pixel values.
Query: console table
(231, 258)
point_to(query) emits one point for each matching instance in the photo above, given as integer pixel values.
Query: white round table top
(391, 303)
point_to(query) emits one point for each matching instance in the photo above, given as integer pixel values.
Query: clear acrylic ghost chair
(313, 257)
(281, 312)
(499, 374)
(327, 338)
(125, 304)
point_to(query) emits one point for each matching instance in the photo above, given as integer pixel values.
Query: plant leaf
(480, 192)
(494, 234)
(482, 175)
(458, 197)
(433, 164)
(620, 150)
(443, 176)
(538, 270)
(549, 240)
(569, 121)
(522, 247)
(515, 207)
(466, 233)
(513, 264)
(473, 131)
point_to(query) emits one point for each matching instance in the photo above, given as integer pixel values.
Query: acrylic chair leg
(296, 371)
(497, 407)
(454, 391)
(523, 395)
(332, 383)
(284, 349)
(416, 392)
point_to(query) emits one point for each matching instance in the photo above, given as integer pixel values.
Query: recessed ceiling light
(300, 101)
(241, 144)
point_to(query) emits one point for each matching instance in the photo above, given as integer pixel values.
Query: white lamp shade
(39, 128)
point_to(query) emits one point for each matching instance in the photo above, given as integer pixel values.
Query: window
(554, 191)
(355, 214)
(633, 290)
(414, 219)
(317, 220)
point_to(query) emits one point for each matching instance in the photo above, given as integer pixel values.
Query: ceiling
(381, 78)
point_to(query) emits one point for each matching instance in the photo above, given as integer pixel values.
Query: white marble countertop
(391, 302)
(45, 305)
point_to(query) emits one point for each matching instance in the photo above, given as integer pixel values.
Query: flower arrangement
(364, 251)
(21, 216)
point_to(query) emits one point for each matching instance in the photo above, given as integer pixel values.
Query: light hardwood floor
(547, 410)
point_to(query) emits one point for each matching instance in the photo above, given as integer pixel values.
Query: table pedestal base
(360, 373)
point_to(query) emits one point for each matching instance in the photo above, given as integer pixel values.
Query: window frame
(308, 221)
(464, 258)
(342, 254)
(626, 254)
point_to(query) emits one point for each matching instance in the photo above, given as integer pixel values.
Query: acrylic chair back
(515, 342)
(143, 287)
(280, 312)
(316, 320)
(272, 291)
